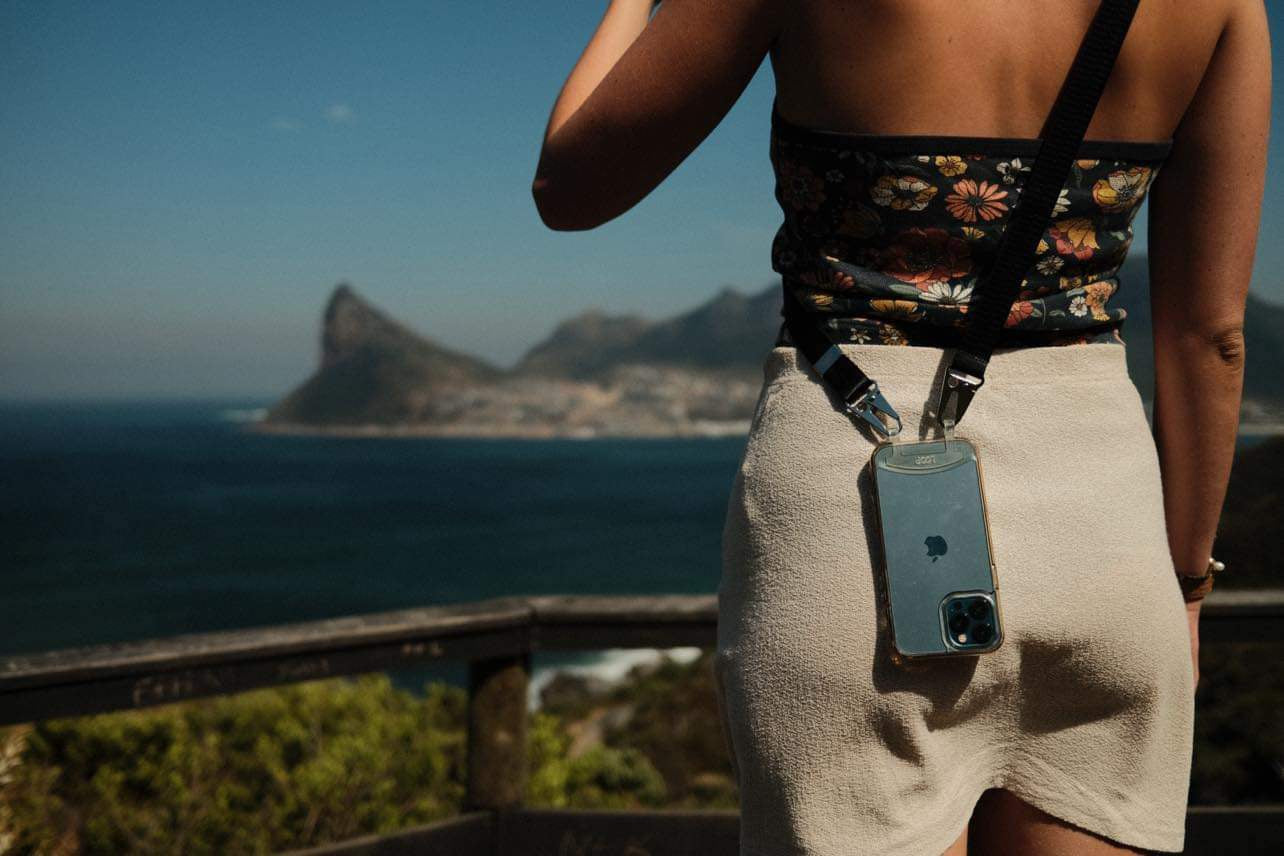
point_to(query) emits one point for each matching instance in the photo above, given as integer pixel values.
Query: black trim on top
(926, 335)
(937, 144)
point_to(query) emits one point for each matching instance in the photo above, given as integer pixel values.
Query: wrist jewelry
(1195, 588)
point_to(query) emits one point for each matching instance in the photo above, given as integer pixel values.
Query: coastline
(1261, 429)
(692, 429)
(474, 431)
(609, 668)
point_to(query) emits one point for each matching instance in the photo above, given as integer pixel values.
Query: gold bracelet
(1195, 588)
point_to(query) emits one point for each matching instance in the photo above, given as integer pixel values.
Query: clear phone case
(940, 588)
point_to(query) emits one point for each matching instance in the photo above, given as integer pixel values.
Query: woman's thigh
(1005, 825)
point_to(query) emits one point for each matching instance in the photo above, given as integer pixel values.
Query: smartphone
(940, 587)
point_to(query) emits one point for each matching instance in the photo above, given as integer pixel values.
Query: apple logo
(935, 546)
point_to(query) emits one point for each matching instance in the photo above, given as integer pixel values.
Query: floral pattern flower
(1116, 191)
(902, 192)
(971, 200)
(1062, 205)
(1010, 170)
(889, 335)
(1075, 236)
(1096, 294)
(890, 242)
(1049, 264)
(908, 309)
(1021, 310)
(947, 293)
(951, 165)
(925, 255)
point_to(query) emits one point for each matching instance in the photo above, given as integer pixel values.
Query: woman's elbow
(1220, 342)
(558, 211)
(1227, 341)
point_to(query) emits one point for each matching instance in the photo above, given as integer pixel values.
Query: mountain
(581, 346)
(729, 332)
(696, 373)
(375, 370)
(598, 374)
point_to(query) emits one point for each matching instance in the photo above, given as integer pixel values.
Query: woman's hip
(1072, 485)
(1057, 419)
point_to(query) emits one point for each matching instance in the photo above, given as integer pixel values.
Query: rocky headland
(598, 375)
(595, 375)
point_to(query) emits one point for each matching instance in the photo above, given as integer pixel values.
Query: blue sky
(183, 184)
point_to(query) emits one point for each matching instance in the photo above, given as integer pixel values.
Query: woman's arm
(1204, 213)
(623, 22)
(641, 98)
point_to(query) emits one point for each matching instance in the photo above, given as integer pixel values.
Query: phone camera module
(969, 622)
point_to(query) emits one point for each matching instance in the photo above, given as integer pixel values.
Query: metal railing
(496, 638)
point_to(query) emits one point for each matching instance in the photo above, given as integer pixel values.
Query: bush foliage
(251, 773)
(303, 765)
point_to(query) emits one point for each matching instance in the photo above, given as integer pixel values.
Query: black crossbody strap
(1060, 141)
(1063, 134)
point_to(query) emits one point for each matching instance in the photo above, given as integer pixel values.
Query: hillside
(697, 372)
(729, 332)
(374, 369)
(597, 375)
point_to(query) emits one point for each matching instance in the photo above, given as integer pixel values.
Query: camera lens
(982, 633)
(956, 606)
(979, 609)
(958, 624)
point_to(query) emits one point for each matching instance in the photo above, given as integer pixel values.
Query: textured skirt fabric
(1085, 711)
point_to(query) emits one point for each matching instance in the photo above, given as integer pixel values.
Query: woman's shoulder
(931, 67)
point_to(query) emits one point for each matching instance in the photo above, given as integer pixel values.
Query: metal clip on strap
(956, 395)
(873, 399)
(860, 393)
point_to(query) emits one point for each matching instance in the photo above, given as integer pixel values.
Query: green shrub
(250, 773)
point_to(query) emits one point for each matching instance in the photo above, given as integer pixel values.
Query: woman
(1074, 736)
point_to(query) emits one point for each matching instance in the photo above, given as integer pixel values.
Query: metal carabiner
(956, 395)
(872, 400)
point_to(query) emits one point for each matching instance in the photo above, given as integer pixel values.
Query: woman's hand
(1192, 619)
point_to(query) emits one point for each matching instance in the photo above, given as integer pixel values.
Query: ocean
(132, 520)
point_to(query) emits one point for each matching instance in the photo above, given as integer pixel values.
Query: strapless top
(887, 236)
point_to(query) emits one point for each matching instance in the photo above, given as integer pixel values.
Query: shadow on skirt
(1086, 711)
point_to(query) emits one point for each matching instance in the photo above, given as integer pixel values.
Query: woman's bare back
(984, 69)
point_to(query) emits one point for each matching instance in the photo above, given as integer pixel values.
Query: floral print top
(888, 235)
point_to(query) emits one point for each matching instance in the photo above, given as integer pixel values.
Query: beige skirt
(1086, 711)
